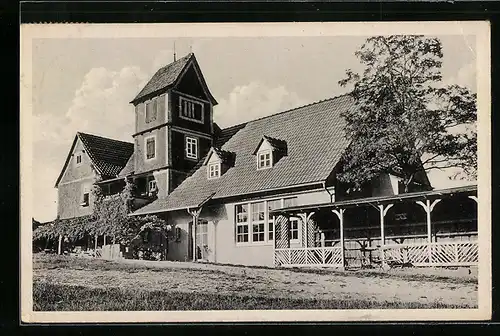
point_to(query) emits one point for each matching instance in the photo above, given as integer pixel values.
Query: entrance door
(202, 240)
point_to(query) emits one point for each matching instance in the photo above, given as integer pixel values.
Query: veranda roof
(421, 195)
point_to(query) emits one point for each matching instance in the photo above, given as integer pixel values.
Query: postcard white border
(478, 28)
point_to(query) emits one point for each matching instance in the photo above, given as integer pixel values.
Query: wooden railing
(310, 256)
(433, 254)
(422, 254)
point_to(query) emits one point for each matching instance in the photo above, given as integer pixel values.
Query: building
(263, 192)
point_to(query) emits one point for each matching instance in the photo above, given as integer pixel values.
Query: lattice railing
(317, 256)
(433, 254)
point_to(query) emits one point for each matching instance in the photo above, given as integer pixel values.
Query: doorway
(202, 250)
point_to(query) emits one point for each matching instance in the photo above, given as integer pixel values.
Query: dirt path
(188, 277)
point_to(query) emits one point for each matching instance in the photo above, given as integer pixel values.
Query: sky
(86, 84)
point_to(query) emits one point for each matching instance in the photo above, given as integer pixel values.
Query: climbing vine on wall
(109, 217)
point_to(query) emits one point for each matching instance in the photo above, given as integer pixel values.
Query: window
(258, 222)
(255, 222)
(294, 229)
(272, 205)
(191, 148)
(150, 148)
(151, 110)
(78, 159)
(264, 160)
(190, 109)
(242, 223)
(85, 196)
(213, 170)
(152, 186)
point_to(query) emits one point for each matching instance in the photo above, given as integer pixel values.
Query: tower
(174, 125)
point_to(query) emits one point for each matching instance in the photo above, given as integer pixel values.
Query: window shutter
(155, 109)
(161, 103)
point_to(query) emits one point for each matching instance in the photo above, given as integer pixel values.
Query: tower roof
(168, 76)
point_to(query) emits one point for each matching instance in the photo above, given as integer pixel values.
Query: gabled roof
(129, 167)
(227, 133)
(315, 138)
(275, 143)
(169, 75)
(223, 155)
(109, 156)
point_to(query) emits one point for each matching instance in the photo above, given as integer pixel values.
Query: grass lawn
(63, 283)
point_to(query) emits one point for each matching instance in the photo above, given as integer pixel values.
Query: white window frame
(268, 220)
(216, 169)
(150, 183)
(191, 140)
(242, 224)
(264, 153)
(183, 99)
(259, 222)
(146, 148)
(85, 191)
(298, 230)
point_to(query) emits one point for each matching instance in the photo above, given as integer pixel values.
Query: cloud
(99, 106)
(466, 76)
(252, 101)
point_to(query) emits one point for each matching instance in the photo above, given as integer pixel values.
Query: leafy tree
(109, 217)
(404, 120)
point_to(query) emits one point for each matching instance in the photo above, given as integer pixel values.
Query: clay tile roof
(225, 156)
(164, 77)
(314, 135)
(227, 133)
(276, 143)
(109, 156)
(129, 167)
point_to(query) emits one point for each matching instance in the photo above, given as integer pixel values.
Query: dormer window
(269, 151)
(214, 170)
(218, 162)
(264, 159)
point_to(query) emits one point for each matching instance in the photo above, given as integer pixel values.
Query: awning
(165, 205)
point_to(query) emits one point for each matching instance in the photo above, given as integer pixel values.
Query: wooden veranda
(430, 228)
